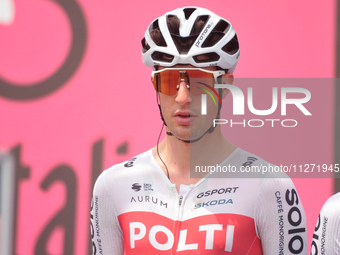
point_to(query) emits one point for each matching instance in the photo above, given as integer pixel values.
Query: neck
(181, 157)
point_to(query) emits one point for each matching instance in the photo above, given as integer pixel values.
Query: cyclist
(149, 204)
(326, 237)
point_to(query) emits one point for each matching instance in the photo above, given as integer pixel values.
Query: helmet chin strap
(188, 141)
(210, 130)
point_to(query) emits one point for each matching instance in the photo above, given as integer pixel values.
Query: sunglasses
(166, 81)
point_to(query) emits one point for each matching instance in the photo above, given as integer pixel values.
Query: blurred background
(75, 98)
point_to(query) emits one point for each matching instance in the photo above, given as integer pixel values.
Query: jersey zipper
(178, 224)
(180, 200)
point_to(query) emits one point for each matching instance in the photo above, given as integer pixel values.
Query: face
(182, 111)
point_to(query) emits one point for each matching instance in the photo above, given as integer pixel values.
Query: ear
(227, 78)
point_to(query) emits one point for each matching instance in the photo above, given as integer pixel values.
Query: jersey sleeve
(326, 237)
(106, 234)
(280, 218)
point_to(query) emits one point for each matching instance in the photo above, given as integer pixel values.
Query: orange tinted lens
(200, 80)
(166, 82)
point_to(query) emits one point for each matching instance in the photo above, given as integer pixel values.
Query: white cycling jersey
(137, 210)
(326, 237)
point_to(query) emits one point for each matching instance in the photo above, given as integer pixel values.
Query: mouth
(184, 118)
(185, 114)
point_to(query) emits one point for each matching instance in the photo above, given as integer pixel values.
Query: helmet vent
(183, 44)
(173, 24)
(156, 34)
(232, 46)
(206, 58)
(146, 46)
(162, 57)
(199, 24)
(216, 34)
(222, 26)
(212, 39)
(188, 12)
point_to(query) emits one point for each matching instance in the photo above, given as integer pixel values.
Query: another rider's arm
(280, 218)
(326, 236)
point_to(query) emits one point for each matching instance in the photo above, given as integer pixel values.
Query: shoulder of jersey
(129, 167)
(333, 204)
(247, 159)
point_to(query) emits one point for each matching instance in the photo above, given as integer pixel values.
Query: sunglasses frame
(216, 73)
(182, 70)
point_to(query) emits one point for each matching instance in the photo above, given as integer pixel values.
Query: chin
(192, 133)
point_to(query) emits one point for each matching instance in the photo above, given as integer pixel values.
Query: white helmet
(214, 43)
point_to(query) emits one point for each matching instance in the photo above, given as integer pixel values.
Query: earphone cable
(167, 171)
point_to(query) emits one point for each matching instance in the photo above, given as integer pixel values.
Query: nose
(183, 93)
